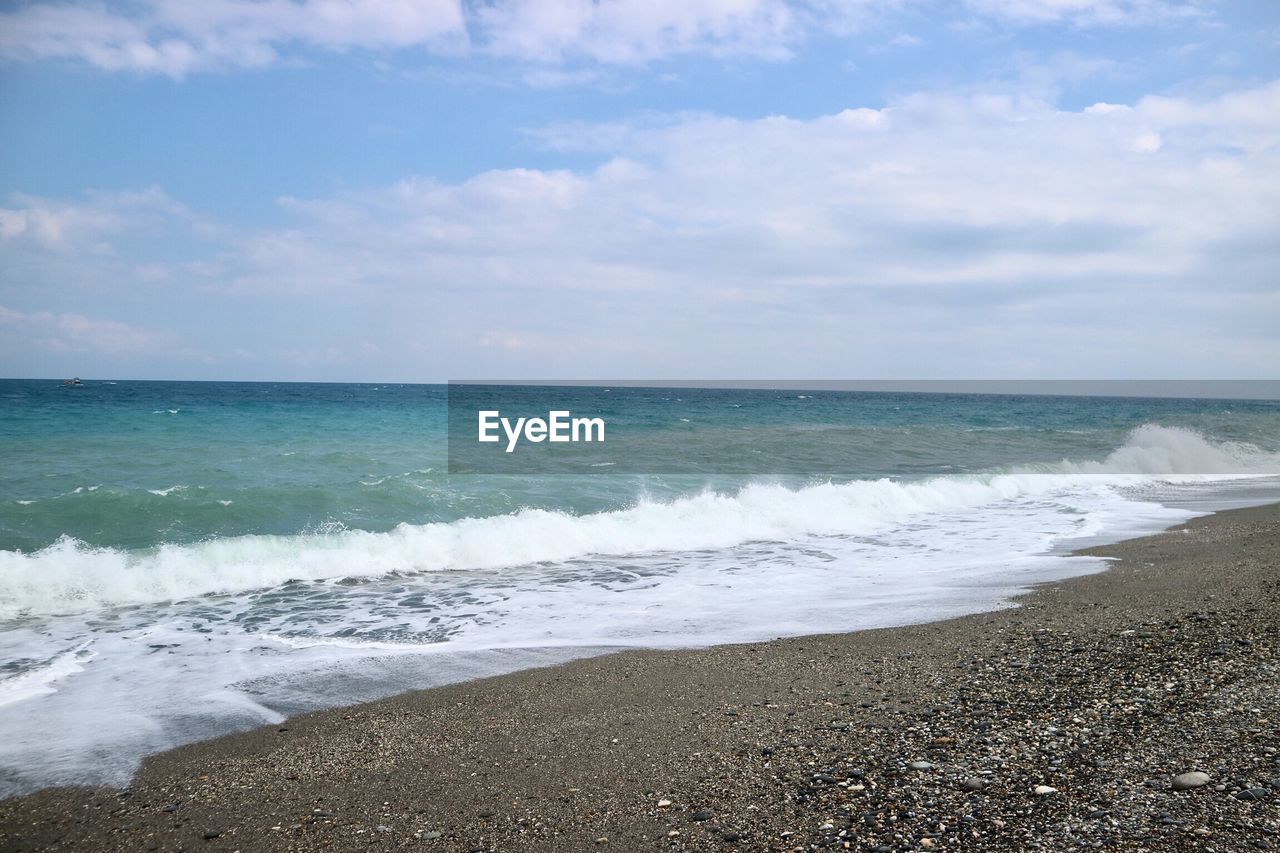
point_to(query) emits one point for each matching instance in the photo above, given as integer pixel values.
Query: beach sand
(927, 737)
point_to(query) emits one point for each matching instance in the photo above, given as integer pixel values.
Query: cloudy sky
(419, 190)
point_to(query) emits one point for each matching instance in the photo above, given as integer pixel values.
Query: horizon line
(1208, 389)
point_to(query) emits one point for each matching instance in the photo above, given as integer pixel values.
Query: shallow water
(178, 560)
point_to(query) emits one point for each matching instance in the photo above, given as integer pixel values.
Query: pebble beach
(1134, 709)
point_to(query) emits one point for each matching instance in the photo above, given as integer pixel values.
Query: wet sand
(1095, 692)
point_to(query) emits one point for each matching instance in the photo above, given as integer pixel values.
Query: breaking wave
(70, 576)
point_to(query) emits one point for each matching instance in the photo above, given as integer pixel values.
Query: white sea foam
(215, 665)
(70, 576)
(345, 643)
(42, 680)
(1157, 451)
(765, 561)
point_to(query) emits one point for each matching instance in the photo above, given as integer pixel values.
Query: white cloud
(861, 243)
(633, 31)
(1148, 143)
(1086, 12)
(178, 37)
(554, 78)
(75, 333)
(87, 225)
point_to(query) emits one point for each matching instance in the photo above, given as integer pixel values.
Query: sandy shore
(929, 737)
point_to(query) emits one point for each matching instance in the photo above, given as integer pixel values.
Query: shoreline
(1101, 686)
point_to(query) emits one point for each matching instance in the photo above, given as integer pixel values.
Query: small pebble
(1187, 781)
(1249, 794)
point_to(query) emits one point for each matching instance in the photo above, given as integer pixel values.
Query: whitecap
(166, 492)
(73, 576)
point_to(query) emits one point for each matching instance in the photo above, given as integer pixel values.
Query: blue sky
(385, 190)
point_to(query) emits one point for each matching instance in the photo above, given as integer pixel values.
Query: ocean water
(181, 560)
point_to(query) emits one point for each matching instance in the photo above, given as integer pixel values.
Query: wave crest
(70, 576)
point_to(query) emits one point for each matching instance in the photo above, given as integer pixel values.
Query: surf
(72, 577)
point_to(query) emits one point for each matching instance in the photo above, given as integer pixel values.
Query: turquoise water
(136, 464)
(253, 549)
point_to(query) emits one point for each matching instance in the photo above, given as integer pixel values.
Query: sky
(423, 190)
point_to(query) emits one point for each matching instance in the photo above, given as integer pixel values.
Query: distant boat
(74, 381)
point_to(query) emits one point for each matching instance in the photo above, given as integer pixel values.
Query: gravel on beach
(1134, 709)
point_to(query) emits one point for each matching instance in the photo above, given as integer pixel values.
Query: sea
(180, 560)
